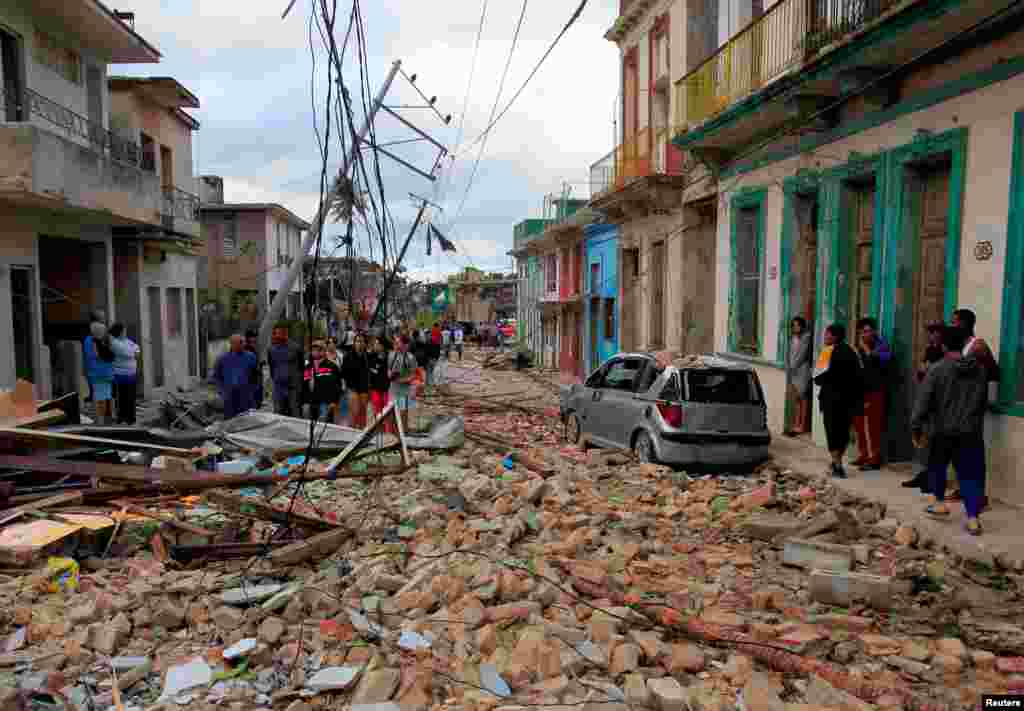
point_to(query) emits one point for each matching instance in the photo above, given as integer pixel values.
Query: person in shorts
(402, 372)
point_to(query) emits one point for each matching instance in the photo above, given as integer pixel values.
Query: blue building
(601, 291)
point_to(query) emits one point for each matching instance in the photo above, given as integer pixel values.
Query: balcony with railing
(54, 157)
(180, 211)
(645, 160)
(783, 46)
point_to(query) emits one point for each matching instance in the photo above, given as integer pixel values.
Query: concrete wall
(248, 270)
(177, 272)
(988, 116)
(17, 18)
(17, 248)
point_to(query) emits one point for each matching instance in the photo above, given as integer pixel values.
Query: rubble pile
(503, 575)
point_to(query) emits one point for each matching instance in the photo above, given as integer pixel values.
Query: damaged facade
(97, 203)
(786, 160)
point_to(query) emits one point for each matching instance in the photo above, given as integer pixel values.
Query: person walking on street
(380, 379)
(355, 371)
(952, 401)
(841, 396)
(965, 320)
(402, 372)
(457, 338)
(285, 360)
(99, 370)
(933, 353)
(232, 374)
(798, 368)
(252, 340)
(126, 373)
(875, 355)
(321, 383)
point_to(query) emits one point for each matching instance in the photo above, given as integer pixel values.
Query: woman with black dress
(841, 397)
(355, 369)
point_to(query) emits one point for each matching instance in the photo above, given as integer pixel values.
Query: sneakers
(916, 483)
(838, 472)
(871, 467)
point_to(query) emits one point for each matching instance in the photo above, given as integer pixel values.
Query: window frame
(1010, 402)
(637, 373)
(747, 199)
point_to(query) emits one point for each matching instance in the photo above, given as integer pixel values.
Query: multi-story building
(870, 161)
(652, 190)
(478, 296)
(248, 248)
(547, 251)
(84, 190)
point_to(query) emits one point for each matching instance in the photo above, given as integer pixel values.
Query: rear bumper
(715, 453)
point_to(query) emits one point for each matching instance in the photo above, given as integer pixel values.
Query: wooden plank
(338, 461)
(120, 444)
(321, 545)
(179, 480)
(261, 510)
(221, 551)
(169, 520)
(40, 419)
(69, 498)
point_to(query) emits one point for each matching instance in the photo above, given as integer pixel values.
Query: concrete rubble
(516, 571)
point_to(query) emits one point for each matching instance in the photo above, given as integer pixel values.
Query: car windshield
(732, 387)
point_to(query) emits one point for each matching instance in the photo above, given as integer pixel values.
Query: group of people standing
(948, 413)
(336, 384)
(111, 364)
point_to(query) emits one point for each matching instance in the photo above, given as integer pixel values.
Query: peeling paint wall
(988, 116)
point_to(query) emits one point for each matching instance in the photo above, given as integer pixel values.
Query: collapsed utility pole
(296, 268)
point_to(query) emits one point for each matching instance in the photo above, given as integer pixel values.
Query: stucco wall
(18, 247)
(988, 116)
(178, 271)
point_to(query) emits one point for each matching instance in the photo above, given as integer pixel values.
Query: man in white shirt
(457, 337)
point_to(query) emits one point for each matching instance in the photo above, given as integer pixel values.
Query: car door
(583, 399)
(614, 411)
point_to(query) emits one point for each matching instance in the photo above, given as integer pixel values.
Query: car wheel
(573, 430)
(644, 449)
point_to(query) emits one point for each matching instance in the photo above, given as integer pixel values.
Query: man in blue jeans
(952, 401)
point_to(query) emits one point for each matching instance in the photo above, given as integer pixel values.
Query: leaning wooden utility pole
(277, 305)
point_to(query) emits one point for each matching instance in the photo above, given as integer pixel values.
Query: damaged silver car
(692, 411)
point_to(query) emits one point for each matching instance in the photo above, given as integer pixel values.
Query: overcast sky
(252, 74)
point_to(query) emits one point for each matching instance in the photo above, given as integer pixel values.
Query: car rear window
(731, 387)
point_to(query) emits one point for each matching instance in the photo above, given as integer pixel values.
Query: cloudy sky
(252, 72)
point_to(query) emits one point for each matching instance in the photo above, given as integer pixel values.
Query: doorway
(860, 242)
(166, 168)
(11, 70)
(656, 268)
(697, 274)
(803, 284)
(23, 311)
(921, 286)
(155, 347)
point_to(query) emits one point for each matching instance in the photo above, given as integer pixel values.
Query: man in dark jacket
(952, 401)
(285, 361)
(321, 382)
(841, 394)
(252, 339)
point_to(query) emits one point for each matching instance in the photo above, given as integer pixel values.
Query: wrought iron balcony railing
(639, 156)
(180, 204)
(30, 105)
(789, 34)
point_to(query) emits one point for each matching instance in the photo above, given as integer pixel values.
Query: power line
(540, 62)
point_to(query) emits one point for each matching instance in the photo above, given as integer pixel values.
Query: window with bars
(551, 273)
(50, 53)
(748, 275)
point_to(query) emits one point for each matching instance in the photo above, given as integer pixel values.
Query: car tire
(643, 448)
(573, 429)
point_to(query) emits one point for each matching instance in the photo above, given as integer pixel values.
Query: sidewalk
(1003, 524)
